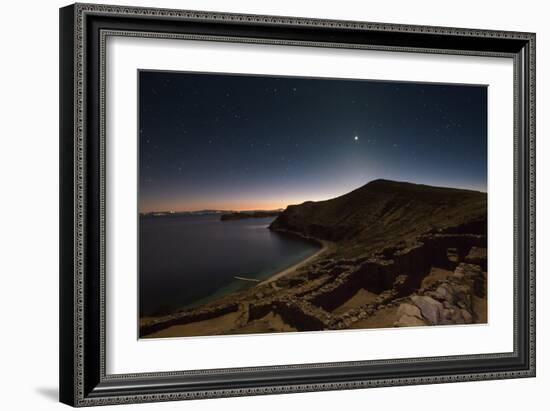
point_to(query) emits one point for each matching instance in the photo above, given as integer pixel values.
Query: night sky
(240, 142)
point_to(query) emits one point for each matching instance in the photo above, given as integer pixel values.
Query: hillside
(383, 212)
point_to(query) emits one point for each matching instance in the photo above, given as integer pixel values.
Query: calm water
(189, 260)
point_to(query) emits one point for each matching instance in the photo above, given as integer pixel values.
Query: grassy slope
(383, 213)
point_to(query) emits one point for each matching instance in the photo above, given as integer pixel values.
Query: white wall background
(29, 204)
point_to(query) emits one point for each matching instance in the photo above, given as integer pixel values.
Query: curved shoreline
(324, 247)
(294, 267)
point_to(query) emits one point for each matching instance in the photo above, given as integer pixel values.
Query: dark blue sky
(253, 142)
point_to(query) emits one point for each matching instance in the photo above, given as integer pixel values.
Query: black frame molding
(83, 30)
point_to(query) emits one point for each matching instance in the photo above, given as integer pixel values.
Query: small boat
(253, 280)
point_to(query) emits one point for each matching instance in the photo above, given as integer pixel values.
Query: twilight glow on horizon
(241, 142)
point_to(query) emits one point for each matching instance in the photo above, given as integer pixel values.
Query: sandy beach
(291, 269)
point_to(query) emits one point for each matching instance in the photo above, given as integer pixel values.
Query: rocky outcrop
(448, 301)
(402, 270)
(409, 315)
(431, 309)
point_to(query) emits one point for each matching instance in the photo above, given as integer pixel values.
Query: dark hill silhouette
(383, 212)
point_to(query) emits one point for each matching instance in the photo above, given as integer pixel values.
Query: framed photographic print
(262, 204)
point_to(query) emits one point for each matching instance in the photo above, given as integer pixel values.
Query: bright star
(356, 138)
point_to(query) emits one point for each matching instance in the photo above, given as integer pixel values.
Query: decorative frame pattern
(82, 298)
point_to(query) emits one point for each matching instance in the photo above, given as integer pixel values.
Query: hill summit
(383, 212)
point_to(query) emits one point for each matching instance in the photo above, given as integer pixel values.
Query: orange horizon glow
(176, 206)
(227, 206)
(271, 202)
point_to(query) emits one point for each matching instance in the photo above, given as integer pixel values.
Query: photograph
(279, 204)
(286, 201)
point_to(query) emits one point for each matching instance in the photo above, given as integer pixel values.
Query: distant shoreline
(242, 215)
(223, 214)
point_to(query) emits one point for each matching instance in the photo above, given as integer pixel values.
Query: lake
(188, 260)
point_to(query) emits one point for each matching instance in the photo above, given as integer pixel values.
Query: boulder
(443, 293)
(409, 309)
(468, 319)
(430, 308)
(462, 295)
(451, 316)
(447, 316)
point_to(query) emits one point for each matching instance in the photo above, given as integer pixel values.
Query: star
(356, 138)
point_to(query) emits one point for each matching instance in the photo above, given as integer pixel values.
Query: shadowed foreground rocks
(448, 301)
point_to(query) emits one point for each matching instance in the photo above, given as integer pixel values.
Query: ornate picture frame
(84, 29)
